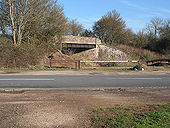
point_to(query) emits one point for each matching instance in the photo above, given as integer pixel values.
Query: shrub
(113, 64)
(24, 55)
(146, 57)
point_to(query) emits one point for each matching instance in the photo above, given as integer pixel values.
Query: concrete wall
(81, 40)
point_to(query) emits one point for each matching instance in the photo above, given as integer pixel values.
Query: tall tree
(165, 29)
(163, 44)
(111, 28)
(74, 28)
(154, 26)
(152, 30)
(32, 18)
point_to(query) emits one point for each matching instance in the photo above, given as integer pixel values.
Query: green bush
(146, 57)
(167, 56)
(112, 64)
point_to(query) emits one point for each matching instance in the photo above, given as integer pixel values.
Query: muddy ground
(68, 108)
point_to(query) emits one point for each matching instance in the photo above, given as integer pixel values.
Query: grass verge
(149, 116)
(36, 69)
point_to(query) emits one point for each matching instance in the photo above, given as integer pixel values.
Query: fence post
(50, 58)
(75, 65)
(78, 65)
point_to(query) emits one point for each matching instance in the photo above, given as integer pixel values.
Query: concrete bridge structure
(78, 44)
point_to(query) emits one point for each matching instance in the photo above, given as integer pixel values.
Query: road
(92, 81)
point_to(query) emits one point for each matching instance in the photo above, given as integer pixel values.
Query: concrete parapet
(81, 40)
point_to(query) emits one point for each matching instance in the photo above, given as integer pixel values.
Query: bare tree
(24, 16)
(154, 27)
(165, 29)
(163, 44)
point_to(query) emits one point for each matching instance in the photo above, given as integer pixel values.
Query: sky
(136, 13)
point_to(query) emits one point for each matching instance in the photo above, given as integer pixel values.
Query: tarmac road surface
(91, 81)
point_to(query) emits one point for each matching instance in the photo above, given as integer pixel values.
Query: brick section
(58, 60)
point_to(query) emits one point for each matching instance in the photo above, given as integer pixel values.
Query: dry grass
(139, 53)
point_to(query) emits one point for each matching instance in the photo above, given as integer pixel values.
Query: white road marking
(137, 78)
(27, 79)
(54, 79)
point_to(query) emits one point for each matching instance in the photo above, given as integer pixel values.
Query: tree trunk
(19, 35)
(11, 6)
(20, 28)
(19, 39)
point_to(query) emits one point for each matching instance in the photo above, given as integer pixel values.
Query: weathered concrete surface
(102, 52)
(81, 40)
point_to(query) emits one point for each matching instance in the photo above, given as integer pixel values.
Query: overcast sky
(136, 13)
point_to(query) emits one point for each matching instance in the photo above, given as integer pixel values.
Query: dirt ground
(68, 108)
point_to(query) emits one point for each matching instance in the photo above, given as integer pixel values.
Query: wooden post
(78, 65)
(50, 63)
(139, 65)
(50, 58)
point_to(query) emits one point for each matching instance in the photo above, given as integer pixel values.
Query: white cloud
(135, 24)
(151, 11)
(164, 10)
(128, 3)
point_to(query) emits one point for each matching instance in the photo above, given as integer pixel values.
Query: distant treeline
(112, 30)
